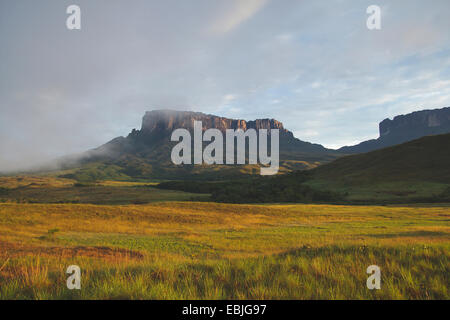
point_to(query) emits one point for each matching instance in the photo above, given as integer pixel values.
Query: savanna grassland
(44, 189)
(203, 250)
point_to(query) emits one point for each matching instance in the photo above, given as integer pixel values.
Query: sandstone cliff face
(169, 120)
(146, 153)
(405, 128)
(419, 123)
(158, 125)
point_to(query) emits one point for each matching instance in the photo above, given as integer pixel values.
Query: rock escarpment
(146, 152)
(169, 120)
(406, 128)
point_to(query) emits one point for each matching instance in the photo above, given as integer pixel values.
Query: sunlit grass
(189, 250)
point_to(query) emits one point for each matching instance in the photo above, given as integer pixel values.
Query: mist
(312, 65)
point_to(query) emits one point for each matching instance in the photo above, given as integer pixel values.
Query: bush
(84, 184)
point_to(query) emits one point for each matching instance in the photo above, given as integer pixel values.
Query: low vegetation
(401, 174)
(192, 250)
(132, 244)
(283, 188)
(56, 190)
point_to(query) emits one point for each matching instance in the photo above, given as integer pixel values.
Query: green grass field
(200, 250)
(44, 189)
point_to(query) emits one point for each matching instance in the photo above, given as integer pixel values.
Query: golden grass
(108, 183)
(47, 181)
(12, 182)
(216, 251)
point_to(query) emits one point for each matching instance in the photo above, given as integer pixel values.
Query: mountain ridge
(145, 153)
(417, 171)
(404, 128)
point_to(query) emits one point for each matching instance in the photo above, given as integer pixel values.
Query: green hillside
(417, 171)
(425, 159)
(145, 154)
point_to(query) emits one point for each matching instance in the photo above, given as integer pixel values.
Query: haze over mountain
(312, 65)
(145, 153)
(158, 125)
(404, 128)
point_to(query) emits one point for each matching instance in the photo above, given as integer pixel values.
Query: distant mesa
(145, 153)
(170, 120)
(158, 125)
(406, 128)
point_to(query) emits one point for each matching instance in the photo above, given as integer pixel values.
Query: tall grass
(218, 251)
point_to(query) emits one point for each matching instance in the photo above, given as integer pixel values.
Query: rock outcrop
(170, 120)
(406, 128)
(146, 152)
(158, 125)
(417, 124)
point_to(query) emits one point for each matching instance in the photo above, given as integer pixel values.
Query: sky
(313, 65)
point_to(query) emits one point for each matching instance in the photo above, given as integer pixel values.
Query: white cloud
(239, 12)
(311, 64)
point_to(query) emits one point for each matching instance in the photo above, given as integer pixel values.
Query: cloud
(311, 64)
(239, 12)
